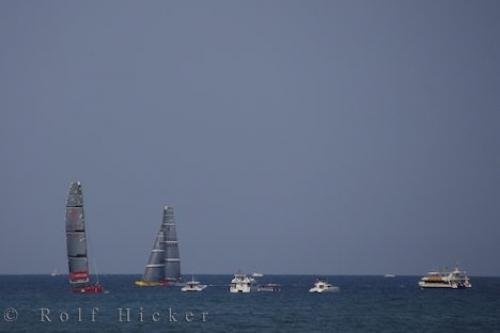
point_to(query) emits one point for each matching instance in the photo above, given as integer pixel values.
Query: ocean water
(363, 304)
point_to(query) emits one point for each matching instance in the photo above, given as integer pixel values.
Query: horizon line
(265, 274)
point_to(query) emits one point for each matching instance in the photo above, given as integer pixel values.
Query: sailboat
(163, 267)
(76, 243)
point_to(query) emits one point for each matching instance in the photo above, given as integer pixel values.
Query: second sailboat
(164, 266)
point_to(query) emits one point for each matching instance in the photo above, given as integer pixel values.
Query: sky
(292, 137)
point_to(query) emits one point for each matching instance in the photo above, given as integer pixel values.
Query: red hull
(164, 283)
(92, 289)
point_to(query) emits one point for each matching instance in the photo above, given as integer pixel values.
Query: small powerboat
(193, 285)
(323, 287)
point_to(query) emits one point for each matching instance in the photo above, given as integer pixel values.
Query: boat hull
(443, 285)
(239, 290)
(324, 290)
(187, 289)
(92, 289)
(142, 283)
(268, 289)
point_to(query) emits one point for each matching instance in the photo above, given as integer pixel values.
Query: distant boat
(193, 286)
(163, 267)
(455, 279)
(257, 275)
(389, 275)
(241, 283)
(269, 287)
(76, 243)
(323, 287)
(54, 273)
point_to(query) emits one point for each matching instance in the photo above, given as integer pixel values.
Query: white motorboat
(322, 287)
(241, 283)
(455, 279)
(193, 285)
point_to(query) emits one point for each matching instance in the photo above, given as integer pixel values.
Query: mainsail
(76, 242)
(163, 266)
(172, 258)
(155, 268)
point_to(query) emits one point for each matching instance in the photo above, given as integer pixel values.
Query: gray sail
(76, 241)
(155, 269)
(172, 258)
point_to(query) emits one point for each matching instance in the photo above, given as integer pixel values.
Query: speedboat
(455, 279)
(193, 286)
(322, 287)
(241, 283)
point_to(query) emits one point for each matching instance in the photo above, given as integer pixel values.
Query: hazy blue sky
(342, 137)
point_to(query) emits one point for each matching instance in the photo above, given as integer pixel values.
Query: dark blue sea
(363, 304)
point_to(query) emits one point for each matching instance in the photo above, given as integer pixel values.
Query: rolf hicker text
(122, 315)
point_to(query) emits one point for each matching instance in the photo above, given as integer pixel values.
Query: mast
(155, 268)
(171, 245)
(76, 241)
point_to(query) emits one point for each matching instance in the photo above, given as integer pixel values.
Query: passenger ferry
(443, 279)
